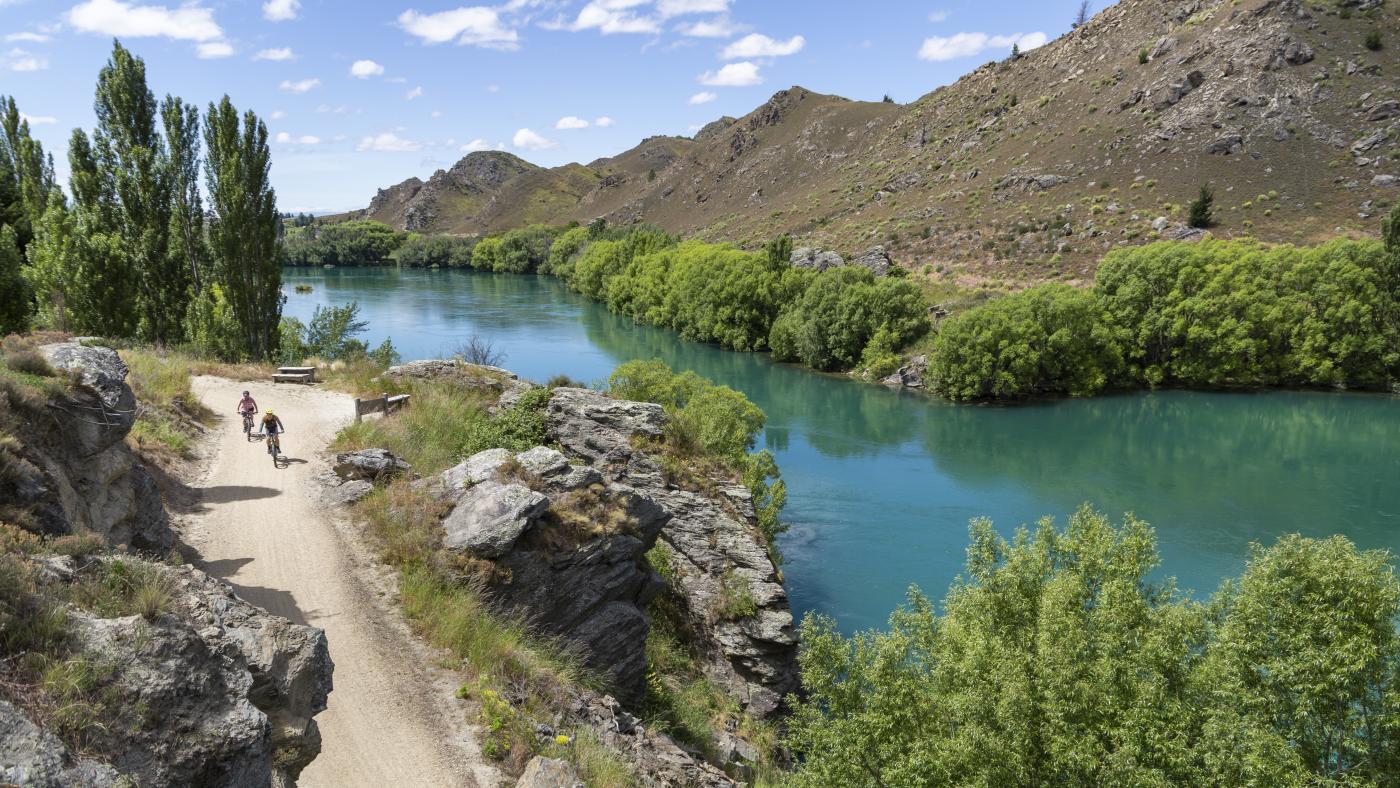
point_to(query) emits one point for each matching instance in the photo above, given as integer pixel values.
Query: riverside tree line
(1204, 315)
(135, 253)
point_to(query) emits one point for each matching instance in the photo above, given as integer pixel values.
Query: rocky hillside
(118, 667)
(1023, 169)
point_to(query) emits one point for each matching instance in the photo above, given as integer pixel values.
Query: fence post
(357, 410)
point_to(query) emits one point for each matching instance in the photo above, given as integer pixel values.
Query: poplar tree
(26, 171)
(97, 263)
(243, 226)
(14, 292)
(128, 147)
(187, 210)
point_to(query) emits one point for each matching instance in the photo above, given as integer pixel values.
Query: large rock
(490, 516)
(370, 465)
(911, 375)
(80, 476)
(548, 773)
(35, 758)
(598, 428)
(501, 385)
(876, 260)
(815, 259)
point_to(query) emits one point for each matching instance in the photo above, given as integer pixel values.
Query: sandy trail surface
(391, 719)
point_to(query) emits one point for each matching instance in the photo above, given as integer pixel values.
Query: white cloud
(388, 142)
(417, 92)
(613, 16)
(937, 16)
(493, 88)
(282, 53)
(526, 139)
(213, 50)
(280, 10)
(733, 75)
(33, 38)
(571, 122)
(477, 26)
(276, 114)
(20, 61)
(669, 8)
(128, 20)
(481, 144)
(364, 69)
(759, 45)
(959, 45)
(38, 120)
(326, 109)
(300, 86)
(437, 113)
(719, 27)
(703, 97)
(603, 122)
(305, 139)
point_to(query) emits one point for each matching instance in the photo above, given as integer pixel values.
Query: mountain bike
(274, 448)
(248, 433)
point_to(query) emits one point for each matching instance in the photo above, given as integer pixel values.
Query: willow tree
(243, 227)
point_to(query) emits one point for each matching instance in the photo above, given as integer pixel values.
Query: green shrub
(1373, 41)
(1201, 213)
(836, 316)
(353, 243)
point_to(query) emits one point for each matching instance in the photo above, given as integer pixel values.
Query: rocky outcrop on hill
(77, 474)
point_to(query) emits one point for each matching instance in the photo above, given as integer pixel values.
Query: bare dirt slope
(263, 530)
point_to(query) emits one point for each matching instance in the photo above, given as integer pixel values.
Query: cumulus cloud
(759, 45)
(959, 45)
(719, 27)
(417, 92)
(733, 75)
(603, 122)
(476, 26)
(282, 53)
(388, 142)
(33, 38)
(300, 86)
(128, 20)
(38, 120)
(526, 139)
(276, 114)
(280, 10)
(571, 122)
(703, 97)
(22, 61)
(613, 16)
(481, 144)
(213, 50)
(364, 69)
(305, 139)
(669, 8)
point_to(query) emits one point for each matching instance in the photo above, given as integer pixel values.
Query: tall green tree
(28, 173)
(90, 259)
(187, 243)
(243, 228)
(14, 291)
(55, 265)
(128, 146)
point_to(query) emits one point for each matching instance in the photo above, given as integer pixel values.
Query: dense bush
(562, 253)
(1214, 313)
(839, 312)
(444, 251)
(519, 251)
(1049, 339)
(1056, 661)
(359, 242)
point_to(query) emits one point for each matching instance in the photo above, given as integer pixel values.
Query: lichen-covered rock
(81, 476)
(912, 375)
(35, 758)
(348, 493)
(875, 260)
(370, 465)
(490, 516)
(815, 259)
(597, 428)
(501, 384)
(549, 773)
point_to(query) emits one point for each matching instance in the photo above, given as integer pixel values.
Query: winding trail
(391, 719)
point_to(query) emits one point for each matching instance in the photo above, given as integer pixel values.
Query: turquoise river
(882, 483)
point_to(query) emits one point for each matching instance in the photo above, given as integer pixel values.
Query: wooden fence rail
(381, 404)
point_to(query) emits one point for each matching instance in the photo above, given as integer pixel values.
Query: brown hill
(1024, 169)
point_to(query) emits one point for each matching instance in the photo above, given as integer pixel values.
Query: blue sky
(362, 94)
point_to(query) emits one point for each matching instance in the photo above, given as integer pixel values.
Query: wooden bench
(381, 404)
(295, 375)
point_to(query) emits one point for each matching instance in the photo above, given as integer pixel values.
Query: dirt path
(390, 720)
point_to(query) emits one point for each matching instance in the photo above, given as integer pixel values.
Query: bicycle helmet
(269, 412)
(245, 393)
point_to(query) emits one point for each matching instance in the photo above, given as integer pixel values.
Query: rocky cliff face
(202, 688)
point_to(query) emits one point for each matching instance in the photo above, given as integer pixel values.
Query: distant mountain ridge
(1028, 168)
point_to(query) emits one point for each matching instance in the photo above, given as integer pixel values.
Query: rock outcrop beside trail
(206, 689)
(78, 474)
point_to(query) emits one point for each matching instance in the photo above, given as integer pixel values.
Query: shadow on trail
(232, 493)
(279, 603)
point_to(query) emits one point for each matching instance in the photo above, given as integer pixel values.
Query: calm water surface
(882, 483)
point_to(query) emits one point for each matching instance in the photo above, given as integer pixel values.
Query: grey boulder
(370, 465)
(491, 516)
